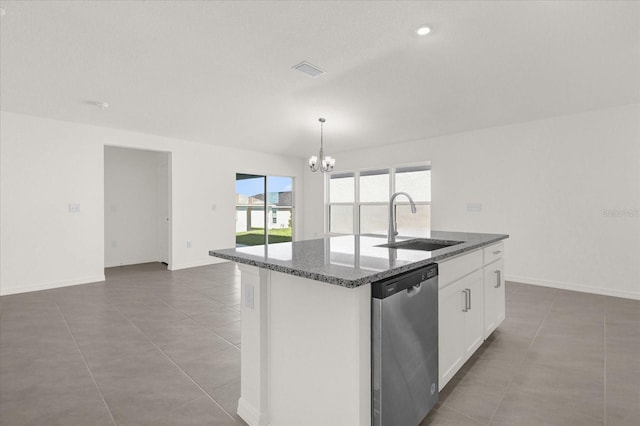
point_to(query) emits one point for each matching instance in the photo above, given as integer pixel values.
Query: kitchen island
(306, 320)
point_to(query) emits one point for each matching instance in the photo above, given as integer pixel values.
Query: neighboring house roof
(279, 199)
(285, 199)
(243, 200)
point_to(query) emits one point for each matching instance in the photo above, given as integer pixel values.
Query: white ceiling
(220, 72)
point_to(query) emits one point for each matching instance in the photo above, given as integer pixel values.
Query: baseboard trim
(195, 264)
(574, 287)
(5, 291)
(249, 413)
(129, 262)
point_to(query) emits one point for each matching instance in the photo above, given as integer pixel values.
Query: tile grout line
(460, 413)
(161, 300)
(179, 368)
(196, 321)
(189, 316)
(86, 365)
(523, 359)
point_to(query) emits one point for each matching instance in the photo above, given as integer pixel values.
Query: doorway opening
(137, 206)
(264, 209)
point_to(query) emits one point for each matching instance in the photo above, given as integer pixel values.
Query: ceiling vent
(308, 69)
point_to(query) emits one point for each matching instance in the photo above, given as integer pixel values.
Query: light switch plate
(74, 208)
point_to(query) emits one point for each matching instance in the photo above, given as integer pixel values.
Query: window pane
(280, 205)
(374, 186)
(374, 220)
(341, 219)
(416, 181)
(408, 222)
(341, 188)
(249, 210)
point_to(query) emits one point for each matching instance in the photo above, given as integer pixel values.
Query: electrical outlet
(188, 244)
(74, 208)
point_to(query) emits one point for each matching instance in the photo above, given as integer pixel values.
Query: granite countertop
(352, 260)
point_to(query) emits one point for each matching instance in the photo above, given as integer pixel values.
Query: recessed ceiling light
(308, 69)
(423, 30)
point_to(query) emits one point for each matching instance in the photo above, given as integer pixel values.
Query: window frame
(357, 204)
(267, 209)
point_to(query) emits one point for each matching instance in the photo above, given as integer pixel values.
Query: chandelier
(326, 163)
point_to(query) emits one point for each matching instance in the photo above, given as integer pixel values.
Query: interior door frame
(169, 189)
(168, 220)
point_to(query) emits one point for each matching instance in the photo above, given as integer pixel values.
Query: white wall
(132, 215)
(44, 168)
(47, 164)
(566, 189)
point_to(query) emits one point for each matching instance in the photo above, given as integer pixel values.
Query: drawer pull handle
(466, 300)
(498, 278)
(469, 292)
(497, 252)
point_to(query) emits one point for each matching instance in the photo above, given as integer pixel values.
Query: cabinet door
(474, 315)
(451, 302)
(494, 302)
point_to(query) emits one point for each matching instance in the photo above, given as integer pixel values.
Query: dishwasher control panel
(390, 286)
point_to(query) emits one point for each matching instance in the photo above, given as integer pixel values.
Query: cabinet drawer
(493, 252)
(457, 267)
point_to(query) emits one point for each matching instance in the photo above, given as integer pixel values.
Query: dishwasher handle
(412, 291)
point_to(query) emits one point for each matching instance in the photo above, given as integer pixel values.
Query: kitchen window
(358, 201)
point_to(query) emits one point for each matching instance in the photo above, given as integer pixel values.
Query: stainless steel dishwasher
(404, 347)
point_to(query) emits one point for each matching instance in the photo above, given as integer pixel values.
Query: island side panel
(319, 352)
(253, 405)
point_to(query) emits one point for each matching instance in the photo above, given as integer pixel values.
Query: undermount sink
(423, 244)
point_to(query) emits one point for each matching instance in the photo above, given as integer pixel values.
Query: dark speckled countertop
(352, 260)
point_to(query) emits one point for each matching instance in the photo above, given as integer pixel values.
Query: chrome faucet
(393, 225)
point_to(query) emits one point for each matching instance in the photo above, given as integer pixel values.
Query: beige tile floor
(560, 358)
(154, 347)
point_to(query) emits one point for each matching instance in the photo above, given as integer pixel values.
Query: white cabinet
(471, 304)
(460, 319)
(493, 253)
(494, 296)
(450, 332)
(473, 314)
